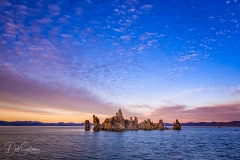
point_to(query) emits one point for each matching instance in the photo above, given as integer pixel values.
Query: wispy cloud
(235, 91)
(146, 7)
(140, 106)
(20, 93)
(188, 57)
(5, 3)
(18, 89)
(218, 112)
(54, 9)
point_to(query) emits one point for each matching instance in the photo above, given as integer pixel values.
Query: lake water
(76, 143)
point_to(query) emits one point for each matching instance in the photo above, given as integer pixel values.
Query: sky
(63, 61)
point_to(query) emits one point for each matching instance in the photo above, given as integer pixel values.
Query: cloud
(20, 7)
(168, 100)
(218, 113)
(79, 10)
(118, 30)
(18, 90)
(140, 106)
(126, 37)
(20, 93)
(131, 10)
(67, 35)
(54, 9)
(5, 3)
(175, 95)
(10, 28)
(19, 108)
(235, 91)
(146, 7)
(188, 57)
(46, 20)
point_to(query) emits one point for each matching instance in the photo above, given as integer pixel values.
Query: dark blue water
(76, 143)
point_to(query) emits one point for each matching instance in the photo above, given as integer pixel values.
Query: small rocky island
(118, 123)
(87, 125)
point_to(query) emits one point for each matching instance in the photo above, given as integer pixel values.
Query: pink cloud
(19, 90)
(10, 28)
(218, 112)
(24, 93)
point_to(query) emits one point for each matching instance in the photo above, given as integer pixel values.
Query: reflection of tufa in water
(219, 126)
(118, 123)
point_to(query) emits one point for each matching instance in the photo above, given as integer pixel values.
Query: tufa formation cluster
(118, 123)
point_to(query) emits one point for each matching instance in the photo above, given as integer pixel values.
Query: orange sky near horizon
(221, 113)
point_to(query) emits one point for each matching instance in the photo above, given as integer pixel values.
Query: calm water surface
(76, 143)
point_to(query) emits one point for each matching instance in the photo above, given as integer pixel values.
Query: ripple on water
(75, 143)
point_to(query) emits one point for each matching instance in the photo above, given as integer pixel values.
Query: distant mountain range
(36, 123)
(229, 124)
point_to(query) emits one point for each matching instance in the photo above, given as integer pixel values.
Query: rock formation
(132, 124)
(96, 123)
(118, 123)
(149, 125)
(176, 125)
(135, 123)
(155, 126)
(107, 125)
(87, 125)
(142, 125)
(161, 125)
(146, 125)
(119, 117)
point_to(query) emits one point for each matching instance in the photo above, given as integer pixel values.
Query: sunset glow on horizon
(63, 61)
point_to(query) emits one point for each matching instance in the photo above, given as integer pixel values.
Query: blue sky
(69, 59)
